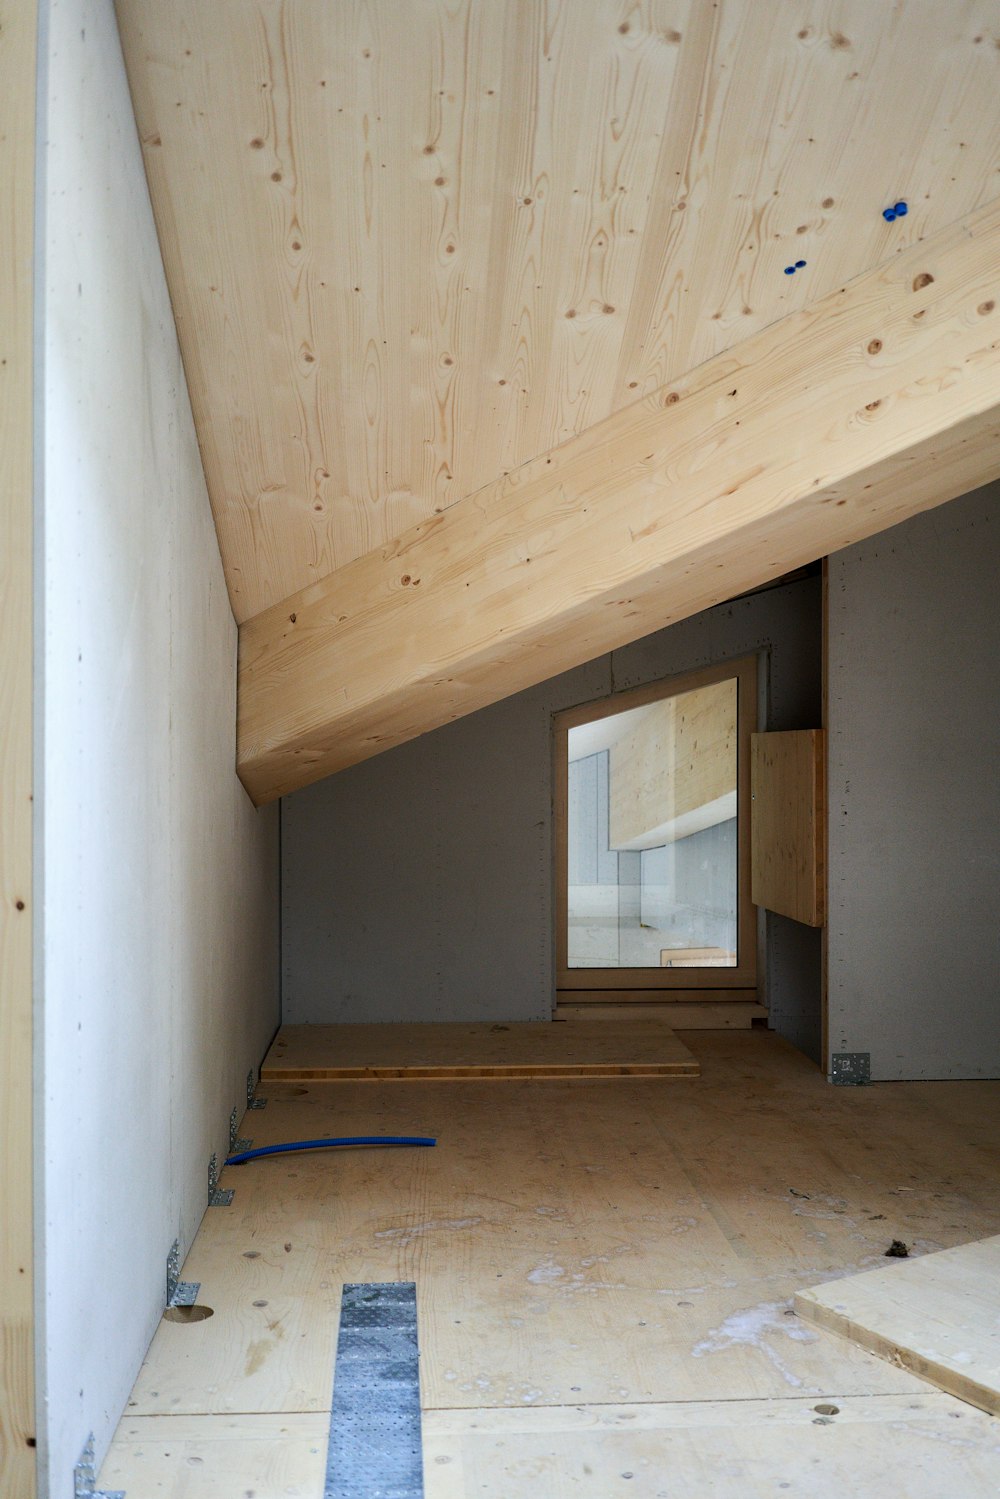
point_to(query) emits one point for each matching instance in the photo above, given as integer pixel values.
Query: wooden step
(594, 1049)
(735, 1015)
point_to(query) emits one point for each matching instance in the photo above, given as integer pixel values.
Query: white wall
(159, 880)
(914, 748)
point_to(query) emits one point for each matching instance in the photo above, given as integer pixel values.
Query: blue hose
(251, 1155)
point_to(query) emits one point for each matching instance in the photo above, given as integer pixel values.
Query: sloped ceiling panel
(414, 243)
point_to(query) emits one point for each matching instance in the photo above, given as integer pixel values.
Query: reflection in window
(652, 856)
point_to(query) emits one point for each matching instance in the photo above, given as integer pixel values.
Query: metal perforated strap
(375, 1449)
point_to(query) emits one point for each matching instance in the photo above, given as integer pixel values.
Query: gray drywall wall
(157, 966)
(419, 885)
(914, 748)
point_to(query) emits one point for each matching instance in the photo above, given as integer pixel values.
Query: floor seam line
(443, 1410)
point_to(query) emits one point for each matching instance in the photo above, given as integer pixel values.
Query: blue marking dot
(789, 270)
(888, 214)
(799, 264)
(901, 209)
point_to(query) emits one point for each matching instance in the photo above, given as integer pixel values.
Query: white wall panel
(159, 880)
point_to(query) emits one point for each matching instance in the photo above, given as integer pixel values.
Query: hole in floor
(187, 1313)
(827, 1410)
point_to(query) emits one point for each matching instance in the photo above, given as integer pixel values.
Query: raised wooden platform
(938, 1315)
(441, 1052)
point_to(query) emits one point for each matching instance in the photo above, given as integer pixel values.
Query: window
(651, 827)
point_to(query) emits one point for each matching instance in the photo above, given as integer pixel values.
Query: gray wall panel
(914, 720)
(419, 885)
(793, 957)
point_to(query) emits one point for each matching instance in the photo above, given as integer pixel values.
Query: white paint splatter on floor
(406, 1235)
(546, 1273)
(747, 1328)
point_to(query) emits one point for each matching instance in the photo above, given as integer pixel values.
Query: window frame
(655, 983)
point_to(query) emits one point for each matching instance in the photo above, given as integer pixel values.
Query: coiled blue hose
(251, 1155)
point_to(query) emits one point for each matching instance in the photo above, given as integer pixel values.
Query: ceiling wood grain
(412, 244)
(845, 418)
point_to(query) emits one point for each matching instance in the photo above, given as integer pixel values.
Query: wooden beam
(880, 400)
(17, 152)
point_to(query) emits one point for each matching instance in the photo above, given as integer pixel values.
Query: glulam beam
(877, 401)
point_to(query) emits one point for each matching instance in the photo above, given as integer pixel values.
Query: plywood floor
(447, 1052)
(605, 1274)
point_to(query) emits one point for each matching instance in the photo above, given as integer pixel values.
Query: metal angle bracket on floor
(253, 1102)
(236, 1145)
(218, 1197)
(85, 1477)
(179, 1292)
(850, 1069)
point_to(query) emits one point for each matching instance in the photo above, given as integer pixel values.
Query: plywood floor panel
(617, 1247)
(449, 1051)
(938, 1315)
(729, 1450)
(219, 1457)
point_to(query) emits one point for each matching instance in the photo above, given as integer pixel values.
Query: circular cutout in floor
(827, 1410)
(188, 1313)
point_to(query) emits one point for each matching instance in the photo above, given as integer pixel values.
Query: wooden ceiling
(414, 243)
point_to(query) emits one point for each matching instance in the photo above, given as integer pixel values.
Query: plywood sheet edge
(911, 1312)
(498, 1072)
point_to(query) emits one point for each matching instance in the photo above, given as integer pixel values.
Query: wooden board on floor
(938, 1315)
(441, 1052)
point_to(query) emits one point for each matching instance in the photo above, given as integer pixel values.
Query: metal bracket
(252, 1101)
(85, 1477)
(851, 1069)
(218, 1197)
(235, 1143)
(179, 1292)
